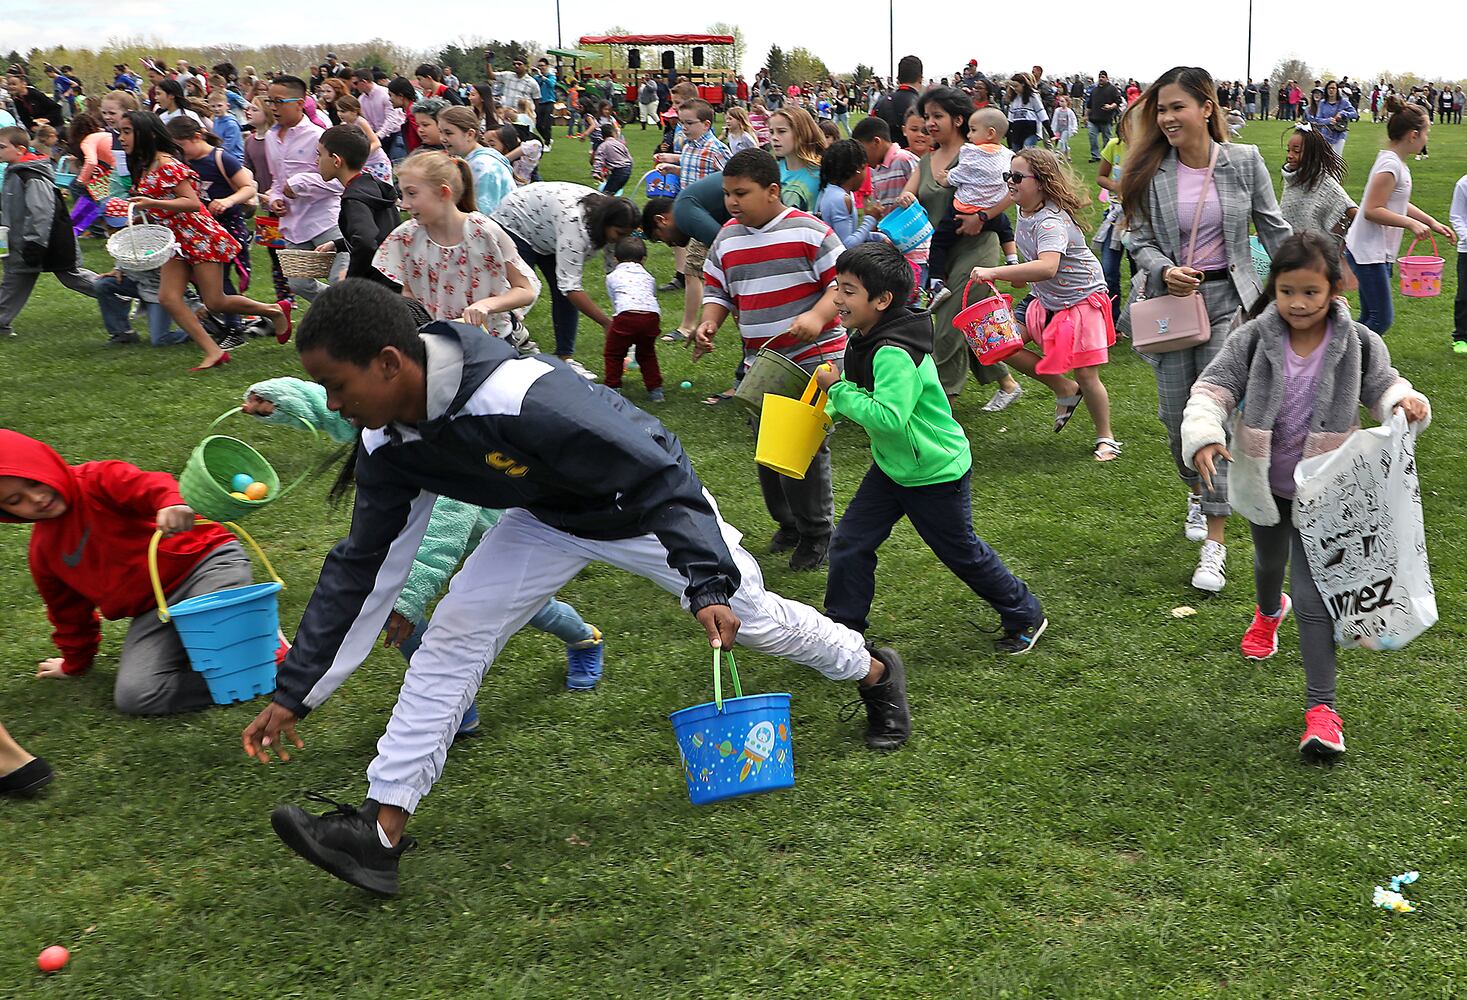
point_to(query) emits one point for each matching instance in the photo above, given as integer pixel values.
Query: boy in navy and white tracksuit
(586, 476)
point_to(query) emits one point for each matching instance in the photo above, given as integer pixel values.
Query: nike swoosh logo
(73, 559)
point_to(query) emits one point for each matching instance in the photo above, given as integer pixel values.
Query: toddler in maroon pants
(636, 321)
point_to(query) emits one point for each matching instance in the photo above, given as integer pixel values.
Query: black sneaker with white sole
(1019, 642)
(888, 719)
(343, 842)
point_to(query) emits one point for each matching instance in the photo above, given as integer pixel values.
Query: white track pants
(518, 565)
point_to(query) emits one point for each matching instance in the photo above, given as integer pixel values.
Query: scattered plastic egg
(256, 490)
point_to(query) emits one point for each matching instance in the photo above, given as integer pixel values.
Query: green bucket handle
(315, 437)
(718, 678)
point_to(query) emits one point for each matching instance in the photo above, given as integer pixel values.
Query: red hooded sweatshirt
(96, 554)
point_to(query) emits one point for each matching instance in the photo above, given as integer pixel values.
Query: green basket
(205, 480)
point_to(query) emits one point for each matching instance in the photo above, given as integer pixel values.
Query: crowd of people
(420, 354)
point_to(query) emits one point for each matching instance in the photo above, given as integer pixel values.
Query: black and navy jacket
(502, 431)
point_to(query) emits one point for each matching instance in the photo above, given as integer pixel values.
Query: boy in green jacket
(922, 462)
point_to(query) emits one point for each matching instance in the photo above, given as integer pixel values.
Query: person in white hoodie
(1063, 124)
(1459, 305)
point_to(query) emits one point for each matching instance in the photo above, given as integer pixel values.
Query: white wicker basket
(142, 246)
(305, 263)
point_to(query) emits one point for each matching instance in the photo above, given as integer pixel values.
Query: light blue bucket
(1261, 262)
(734, 746)
(908, 228)
(231, 636)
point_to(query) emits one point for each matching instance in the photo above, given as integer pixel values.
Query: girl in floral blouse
(455, 261)
(168, 190)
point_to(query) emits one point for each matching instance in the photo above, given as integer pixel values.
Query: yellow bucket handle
(158, 583)
(813, 394)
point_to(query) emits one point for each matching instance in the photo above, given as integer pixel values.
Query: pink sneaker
(1262, 638)
(1324, 733)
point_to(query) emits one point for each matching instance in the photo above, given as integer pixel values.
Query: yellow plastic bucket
(791, 431)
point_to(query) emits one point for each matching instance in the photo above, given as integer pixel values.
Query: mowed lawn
(1122, 814)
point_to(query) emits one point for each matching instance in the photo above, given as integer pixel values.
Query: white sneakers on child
(1002, 400)
(1211, 572)
(1196, 523)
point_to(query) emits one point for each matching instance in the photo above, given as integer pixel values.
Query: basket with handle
(1421, 274)
(206, 479)
(142, 246)
(661, 183)
(734, 746)
(989, 326)
(907, 228)
(791, 431)
(231, 636)
(305, 263)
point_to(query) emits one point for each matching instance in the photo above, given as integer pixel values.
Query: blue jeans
(114, 299)
(1097, 132)
(1377, 308)
(564, 316)
(556, 618)
(1110, 266)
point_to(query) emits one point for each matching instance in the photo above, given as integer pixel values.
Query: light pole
(559, 44)
(1248, 72)
(891, 40)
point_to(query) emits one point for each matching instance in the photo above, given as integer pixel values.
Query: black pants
(545, 121)
(942, 515)
(945, 235)
(1459, 304)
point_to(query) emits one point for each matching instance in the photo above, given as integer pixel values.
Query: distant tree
(728, 57)
(803, 65)
(863, 73)
(775, 63)
(1292, 68)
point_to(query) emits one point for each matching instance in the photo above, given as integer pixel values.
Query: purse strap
(1201, 202)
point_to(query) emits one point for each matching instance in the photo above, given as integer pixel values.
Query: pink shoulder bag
(1169, 322)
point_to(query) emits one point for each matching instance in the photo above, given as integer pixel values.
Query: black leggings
(1275, 547)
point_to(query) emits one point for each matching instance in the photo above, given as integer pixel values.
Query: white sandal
(1107, 449)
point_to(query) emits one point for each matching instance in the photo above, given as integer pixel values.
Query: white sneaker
(1196, 523)
(1003, 400)
(580, 369)
(1211, 572)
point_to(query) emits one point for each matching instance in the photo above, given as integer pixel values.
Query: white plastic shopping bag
(1358, 509)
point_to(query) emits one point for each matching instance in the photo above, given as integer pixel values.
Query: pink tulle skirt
(1078, 337)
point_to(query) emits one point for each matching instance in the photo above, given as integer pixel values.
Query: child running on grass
(1299, 371)
(774, 267)
(922, 465)
(590, 478)
(454, 530)
(368, 212)
(90, 529)
(636, 319)
(1068, 313)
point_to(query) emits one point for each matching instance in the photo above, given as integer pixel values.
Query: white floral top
(550, 218)
(447, 280)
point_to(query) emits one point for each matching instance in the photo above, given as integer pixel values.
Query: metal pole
(560, 44)
(1248, 74)
(891, 39)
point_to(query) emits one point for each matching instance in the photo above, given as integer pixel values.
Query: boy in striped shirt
(775, 267)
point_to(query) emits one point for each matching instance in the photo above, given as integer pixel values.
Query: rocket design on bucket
(758, 745)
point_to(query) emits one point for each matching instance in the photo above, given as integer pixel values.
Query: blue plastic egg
(241, 482)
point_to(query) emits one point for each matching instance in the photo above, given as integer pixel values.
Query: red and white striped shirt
(769, 276)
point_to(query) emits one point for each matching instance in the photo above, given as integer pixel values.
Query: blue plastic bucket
(232, 637)
(908, 228)
(734, 746)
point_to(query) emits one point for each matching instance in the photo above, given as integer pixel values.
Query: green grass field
(1122, 814)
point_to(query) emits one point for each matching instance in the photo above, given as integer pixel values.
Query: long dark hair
(603, 210)
(843, 159)
(174, 89)
(1147, 147)
(150, 140)
(1306, 249)
(1318, 160)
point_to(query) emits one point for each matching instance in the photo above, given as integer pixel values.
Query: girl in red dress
(168, 189)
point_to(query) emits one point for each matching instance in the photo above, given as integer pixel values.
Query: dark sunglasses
(1014, 177)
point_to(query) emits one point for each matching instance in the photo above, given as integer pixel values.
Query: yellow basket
(791, 431)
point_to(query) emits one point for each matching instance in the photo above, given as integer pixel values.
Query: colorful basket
(1421, 275)
(206, 479)
(735, 746)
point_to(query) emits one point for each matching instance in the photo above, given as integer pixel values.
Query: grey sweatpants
(803, 505)
(154, 676)
(1175, 373)
(1275, 548)
(19, 281)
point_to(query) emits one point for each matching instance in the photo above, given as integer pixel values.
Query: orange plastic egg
(256, 491)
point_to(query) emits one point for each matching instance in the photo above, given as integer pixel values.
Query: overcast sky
(1139, 38)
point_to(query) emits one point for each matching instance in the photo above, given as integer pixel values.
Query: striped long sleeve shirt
(771, 275)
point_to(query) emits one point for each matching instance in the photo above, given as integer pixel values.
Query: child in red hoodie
(90, 529)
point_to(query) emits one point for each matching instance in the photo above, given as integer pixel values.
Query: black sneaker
(1020, 642)
(232, 341)
(677, 284)
(122, 339)
(888, 721)
(784, 539)
(28, 779)
(809, 554)
(343, 842)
